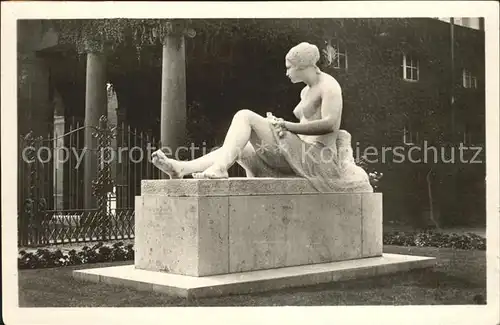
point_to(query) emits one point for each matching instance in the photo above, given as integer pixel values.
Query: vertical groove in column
(362, 224)
(197, 236)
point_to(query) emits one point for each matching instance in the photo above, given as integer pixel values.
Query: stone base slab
(252, 281)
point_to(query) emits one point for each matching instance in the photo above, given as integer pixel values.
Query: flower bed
(436, 239)
(100, 253)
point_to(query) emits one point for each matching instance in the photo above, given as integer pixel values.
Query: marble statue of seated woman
(314, 148)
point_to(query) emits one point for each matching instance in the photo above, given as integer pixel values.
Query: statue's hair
(304, 55)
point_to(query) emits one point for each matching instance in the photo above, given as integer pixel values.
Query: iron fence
(51, 187)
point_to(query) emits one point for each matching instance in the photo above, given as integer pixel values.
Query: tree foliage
(99, 34)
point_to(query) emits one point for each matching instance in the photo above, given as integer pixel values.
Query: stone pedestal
(197, 238)
(207, 227)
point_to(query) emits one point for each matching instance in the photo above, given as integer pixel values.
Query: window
(468, 80)
(410, 68)
(335, 55)
(465, 22)
(469, 22)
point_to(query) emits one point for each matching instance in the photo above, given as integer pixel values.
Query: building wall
(243, 72)
(470, 22)
(380, 105)
(378, 99)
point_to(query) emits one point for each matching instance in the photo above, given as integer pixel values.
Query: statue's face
(293, 72)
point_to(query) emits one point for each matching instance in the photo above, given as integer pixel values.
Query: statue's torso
(309, 109)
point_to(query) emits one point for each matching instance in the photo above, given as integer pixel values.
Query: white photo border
(463, 314)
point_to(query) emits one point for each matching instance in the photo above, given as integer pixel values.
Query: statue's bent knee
(244, 114)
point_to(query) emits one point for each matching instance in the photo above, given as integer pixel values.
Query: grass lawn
(458, 278)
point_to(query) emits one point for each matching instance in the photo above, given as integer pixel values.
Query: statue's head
(301, 61)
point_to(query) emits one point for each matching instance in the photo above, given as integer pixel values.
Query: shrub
(373, 175)
(99, 253)
(436, 239)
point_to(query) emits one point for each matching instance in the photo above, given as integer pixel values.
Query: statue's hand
(277, 123)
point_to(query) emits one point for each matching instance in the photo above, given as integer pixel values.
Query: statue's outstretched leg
(246, 126)
(171, 167)
(247, 129)
(177, 168)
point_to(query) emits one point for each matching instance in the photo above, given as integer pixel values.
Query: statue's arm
(331, 105)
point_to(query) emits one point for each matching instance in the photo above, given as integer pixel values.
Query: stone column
(173, 92)
(60, 185)
(95, 107)
(112, 109)
(58, 179)
(35, 109)
(122, 157)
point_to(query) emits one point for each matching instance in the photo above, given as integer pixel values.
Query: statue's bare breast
(309, 109)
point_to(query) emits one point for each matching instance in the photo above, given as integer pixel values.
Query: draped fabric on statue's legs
(328, 168)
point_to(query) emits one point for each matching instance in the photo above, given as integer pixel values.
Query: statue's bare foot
(212, 172)
(171, 167)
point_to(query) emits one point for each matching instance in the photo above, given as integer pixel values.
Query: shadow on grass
(418, 287)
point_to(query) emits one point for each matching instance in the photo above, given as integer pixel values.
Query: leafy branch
(100, 34)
